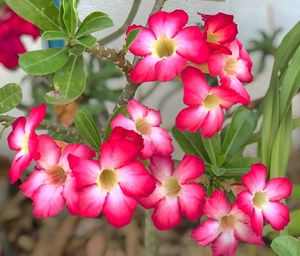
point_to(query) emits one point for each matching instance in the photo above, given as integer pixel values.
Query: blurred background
(261, 24)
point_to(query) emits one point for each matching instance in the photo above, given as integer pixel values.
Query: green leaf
(132, 35)
(42, 13)
(44, 62)
(69, 82)
(286, 246)
(10, 97)
(70, 16)
(86, 41)
(96, 21)
(54, 35)
(294, 225)
(87, 128)
(76, 50)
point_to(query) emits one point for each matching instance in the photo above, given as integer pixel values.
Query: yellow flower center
(230, 67)
(228, 222)
(212, 38)
(107, 179)
(163, 47)
(25, 148)
(259, 200)
(172, 187)
(143, 127)
(211, 102)
(56, 175)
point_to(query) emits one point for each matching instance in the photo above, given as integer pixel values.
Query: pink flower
(24, 140)
(225, 225)
(261, 200)
(177, 192)
(205, 104)
(219, 30)
(113, 185)
(146, 122)
(166, 47)
(233, 69)
(52, 183)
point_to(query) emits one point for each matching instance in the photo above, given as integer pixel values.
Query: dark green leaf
(70, 16)
(42, 13)
(132, 35)
(87, 128)
(87, 41)
(76, 50)
(44, 62)
(10, 97)
(69, 82)
(54, 35)
(286, 246)
(96, 21)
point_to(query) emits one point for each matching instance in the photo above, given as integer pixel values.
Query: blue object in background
(56, 43)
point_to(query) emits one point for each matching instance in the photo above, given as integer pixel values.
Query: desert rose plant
(127, 163)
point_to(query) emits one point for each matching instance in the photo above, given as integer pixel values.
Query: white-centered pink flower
(177, 192)
(146, 122)
(113, 184)
(261, 199)
(24, 140)
(52, 184)
(206, 104)
(166, 46)
(224, 227)
(233, 69)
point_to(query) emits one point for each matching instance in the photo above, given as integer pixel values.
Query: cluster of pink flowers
(113, 182)
(168, 50)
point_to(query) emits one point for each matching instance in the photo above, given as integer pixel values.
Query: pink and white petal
(35, 117)
(153, 117)
(135, 181)
(114, 155)
(166, 214)
(257, 221)
(225, 245)
(245, 203)
(207, 232)
(226, 96)
(151, 200)
(189, 169)
(244, 232)
(165, 24)
(195, 87)
(161, 167)
(278, 188)
(136, 110)
(71, 195)
(121, 121)
(234, 84)
(191, 118)
(168, 68)
(212, 123)
(85, 171)
(142, 44)
(191, 201)
(243, 71)
(148, 149)
(18, 165)
(190, 44)
(216, 64)
(162, 141)
(33, 182)
(255, 179)
(16, 137)
(91, 201)
(217, 205)
(120, 134)
(277, 214)
(49, 152)
(33, 144)
(47, 201)
(119, 208)
(144, 70)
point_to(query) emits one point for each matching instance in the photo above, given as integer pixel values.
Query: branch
(133, 11)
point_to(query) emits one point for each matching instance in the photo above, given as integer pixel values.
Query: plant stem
(45, 125)
(150, 239)
(133, 11)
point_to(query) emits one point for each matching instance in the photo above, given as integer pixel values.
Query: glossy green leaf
(44, 62)
(76, 50)
(239, 166)
(54, 35)
(69, 82)
(70, 16)
(96, 21)
(87, 41)
(87, 128)
(132, 35)
(286, 246)
(10, 97)
(42, 13)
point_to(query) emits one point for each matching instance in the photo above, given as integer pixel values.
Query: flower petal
(16, 137)
(217, 205)
(144, 70)
(244, 232)
(244, 202)
(33, 182)
(255, 179)
(121, 121)
(212, 123)
(18, 165)
(153, 117)
(35, 117)
(71, 195)
(136, 110)
(151, 200)
(162, 141)
(225, 244)
(161, 167)
(278, 188)
(207, 232)
(257, 221)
